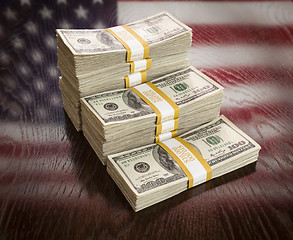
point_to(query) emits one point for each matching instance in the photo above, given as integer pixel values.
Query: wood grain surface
(52, 186)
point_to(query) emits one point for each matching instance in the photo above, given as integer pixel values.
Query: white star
(39, 85)
(55, 99)
(23, 69)
(50, 42)
(4, 58)
(26, 97)
(98, 1)
(36, 56)
(81, 12)
(53, 71)
(61, 1)
(46, 13)
(31, 27)
(42, 113)
(9, 14)
(23, 2)
(17, 43)
(65, 24)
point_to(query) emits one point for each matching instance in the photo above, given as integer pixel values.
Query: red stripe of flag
(241, 34)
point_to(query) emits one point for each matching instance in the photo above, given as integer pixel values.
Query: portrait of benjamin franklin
(107, 39)
(132, 100)
(165, 160)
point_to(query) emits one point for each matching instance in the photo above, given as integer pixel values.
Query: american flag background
(221, 40)
(28, 52)
(48, 167)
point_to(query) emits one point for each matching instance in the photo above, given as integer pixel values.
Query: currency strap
(138, 72)
(135, 79)
(137, 54)
(140, 65)
(164, 136)
(189, 159)
(165, 108)
(136, 47)
(167, 126)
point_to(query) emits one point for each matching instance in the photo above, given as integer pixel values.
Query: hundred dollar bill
(150, 170)
(183, 87)
(154, 29)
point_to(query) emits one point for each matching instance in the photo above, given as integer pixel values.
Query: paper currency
(155, 30)
(148, 175)
(71, 94)
(93, 61)
(118, 120)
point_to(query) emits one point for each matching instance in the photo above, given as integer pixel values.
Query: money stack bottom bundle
(153, 173)
(119, 120)
(99, 60)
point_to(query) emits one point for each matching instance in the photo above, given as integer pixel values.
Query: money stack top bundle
(99, 60)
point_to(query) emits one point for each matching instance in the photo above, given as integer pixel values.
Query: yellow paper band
(169, 101)
(180, 163)
(143, 76)
(132, 66)
(148, 65)
(142, 41)
(133, 35)
(159, 127)
(128, 50)
(147, 101)
(126, 81)
(196, 154)
(130, 81)
(171, 134)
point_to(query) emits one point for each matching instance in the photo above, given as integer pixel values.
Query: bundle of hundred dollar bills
(94, 61)
(153, 173)
(118, 120)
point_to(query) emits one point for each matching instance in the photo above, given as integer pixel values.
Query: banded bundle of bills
(94, 61)
(149, 174)
(119, 120)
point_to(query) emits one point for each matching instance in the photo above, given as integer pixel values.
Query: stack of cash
(94, 61)
(118, 120)
(148, 175)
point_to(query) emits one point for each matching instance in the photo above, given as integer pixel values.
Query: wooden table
(52, 186)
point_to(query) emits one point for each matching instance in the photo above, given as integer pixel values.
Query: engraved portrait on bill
(165, 160)
(132, 100)
(107, 39)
